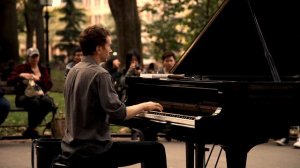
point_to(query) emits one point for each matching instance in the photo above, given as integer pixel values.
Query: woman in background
(37, 106)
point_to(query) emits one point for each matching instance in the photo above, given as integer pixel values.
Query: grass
(16, 122)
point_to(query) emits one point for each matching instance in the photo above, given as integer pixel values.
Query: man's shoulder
(91, 68)
(101, 70)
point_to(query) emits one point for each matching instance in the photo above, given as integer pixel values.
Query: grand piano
(240, 84)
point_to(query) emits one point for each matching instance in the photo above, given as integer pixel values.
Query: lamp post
(47, 37)
(46, 3)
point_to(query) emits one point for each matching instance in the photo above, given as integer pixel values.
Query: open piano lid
(230, 47)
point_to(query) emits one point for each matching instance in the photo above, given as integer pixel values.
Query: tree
(165, 31)
(128, 26)
(73, 17)
(176, 23)
(20, 16)
(201, 12)
(8, 31)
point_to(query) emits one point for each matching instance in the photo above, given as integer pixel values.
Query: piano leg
(236, 156)
(189, 149)
(200, 155)
(195, 151)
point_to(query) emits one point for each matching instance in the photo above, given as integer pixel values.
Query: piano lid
(230, 45)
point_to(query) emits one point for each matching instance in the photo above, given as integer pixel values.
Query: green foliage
(201, 12)
(163, 31)
(58, 79)
(59, 101)
(176, 23)
(73, 17)
(20, 14)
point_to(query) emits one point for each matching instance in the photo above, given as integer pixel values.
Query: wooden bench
(10, 90)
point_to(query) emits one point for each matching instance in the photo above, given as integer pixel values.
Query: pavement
(17, 154)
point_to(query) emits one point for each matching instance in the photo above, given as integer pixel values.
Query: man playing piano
(91, 102)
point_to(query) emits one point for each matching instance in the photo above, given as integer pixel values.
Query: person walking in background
(286, 136)
(168, 61)
(38, 106)
(4, 106)
(77, 55)
(91, 102)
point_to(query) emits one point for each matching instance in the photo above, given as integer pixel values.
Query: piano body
(241, 82)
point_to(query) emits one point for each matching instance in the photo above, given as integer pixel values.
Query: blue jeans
(4, 109)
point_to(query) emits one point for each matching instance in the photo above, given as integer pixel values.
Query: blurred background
(53, 26)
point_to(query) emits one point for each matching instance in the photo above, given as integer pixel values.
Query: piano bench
(61, 162)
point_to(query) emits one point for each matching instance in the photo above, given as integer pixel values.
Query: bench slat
(17, 110)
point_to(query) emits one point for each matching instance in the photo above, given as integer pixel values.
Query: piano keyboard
(175, 119)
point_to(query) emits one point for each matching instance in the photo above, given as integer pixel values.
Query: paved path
(17, 154)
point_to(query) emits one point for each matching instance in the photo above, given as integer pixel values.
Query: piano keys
(173, 118)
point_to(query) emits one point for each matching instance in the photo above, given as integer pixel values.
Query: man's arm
(133, 110)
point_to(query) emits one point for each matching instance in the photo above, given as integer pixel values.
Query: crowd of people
(94, 94)
(39, 106)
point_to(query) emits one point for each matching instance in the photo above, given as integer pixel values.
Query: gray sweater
(90, 102)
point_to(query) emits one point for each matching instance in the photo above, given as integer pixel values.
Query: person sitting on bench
(38, 106)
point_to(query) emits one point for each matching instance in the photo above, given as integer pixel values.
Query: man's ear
(98, 49)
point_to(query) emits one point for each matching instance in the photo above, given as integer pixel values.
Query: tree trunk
(128, 25)
(40, 36)
(8, 32)
(34, 25)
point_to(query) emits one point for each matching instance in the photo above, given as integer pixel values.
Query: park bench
(10, 90)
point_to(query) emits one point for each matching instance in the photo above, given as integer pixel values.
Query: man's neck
(97, 59)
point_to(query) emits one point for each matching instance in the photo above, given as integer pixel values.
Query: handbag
(33, 89)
